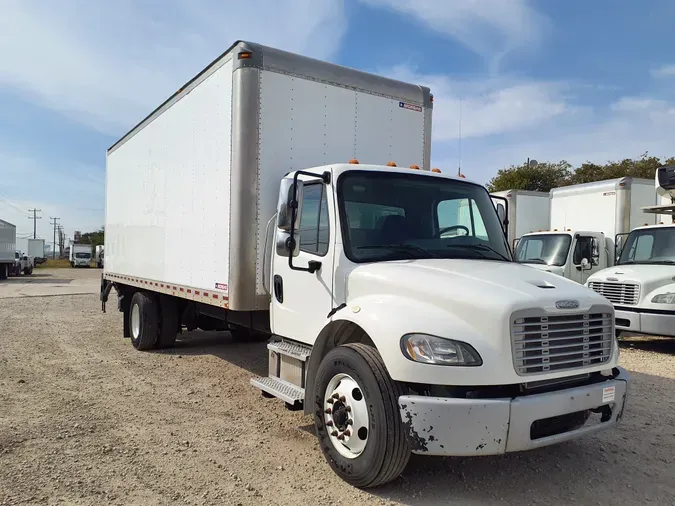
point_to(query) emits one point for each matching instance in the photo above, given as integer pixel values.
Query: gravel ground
(86, 419)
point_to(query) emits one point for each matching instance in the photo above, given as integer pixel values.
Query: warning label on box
(608, 394)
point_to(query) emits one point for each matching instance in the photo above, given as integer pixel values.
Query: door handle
(279, 288)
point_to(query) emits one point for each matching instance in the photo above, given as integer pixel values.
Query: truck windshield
(393, 216)
(649, 246)
(548, 249)
(82, 255)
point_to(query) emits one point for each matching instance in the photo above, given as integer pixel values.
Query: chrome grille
(617, 293)
(542, 344)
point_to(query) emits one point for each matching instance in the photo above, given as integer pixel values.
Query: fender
(382, 317)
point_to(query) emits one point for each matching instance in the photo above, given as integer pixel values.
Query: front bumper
(464, 427)
(657, 324)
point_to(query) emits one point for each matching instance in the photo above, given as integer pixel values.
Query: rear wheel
(357, 418)
(143, 322)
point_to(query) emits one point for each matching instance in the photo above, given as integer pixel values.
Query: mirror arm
(313, 265)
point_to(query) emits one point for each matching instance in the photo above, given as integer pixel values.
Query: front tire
(143, 322)
(357, 418)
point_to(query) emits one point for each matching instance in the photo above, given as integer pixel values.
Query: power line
(35, 218)
(54, 248)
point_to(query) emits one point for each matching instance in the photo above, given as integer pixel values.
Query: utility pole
(54, 220)
(35, 218)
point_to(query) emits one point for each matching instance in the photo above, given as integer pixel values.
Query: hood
(643, 274)
(462, 286)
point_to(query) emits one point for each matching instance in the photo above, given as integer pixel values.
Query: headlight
(664, 298)
(438, 350)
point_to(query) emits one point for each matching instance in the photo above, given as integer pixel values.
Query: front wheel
(357, 418)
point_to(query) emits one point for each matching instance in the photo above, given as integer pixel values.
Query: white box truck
(396, 333)
(7, 248)
(528, 211)
(585, 220)
(80, 255)
(642, 283)
(36, 250)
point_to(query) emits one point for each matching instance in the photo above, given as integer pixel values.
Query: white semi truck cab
(642, 283)
(573, 254)
(394, 312)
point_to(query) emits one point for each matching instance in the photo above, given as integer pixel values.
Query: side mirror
(283, 244)
(286, 204)
(584, 264)
(595, 251)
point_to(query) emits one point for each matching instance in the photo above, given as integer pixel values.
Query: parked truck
(528, 211)
(80, 255)
(23, 264)
(7, 248)
(585, 220)
(642, 283)
(36, 250)
(396, 333)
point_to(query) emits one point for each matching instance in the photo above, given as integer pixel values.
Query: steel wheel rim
(135, 321)
(346, 416)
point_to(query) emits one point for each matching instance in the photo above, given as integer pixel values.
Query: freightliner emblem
(567, 304)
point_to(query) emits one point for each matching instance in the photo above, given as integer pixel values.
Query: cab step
(296, 351)
(287, 392)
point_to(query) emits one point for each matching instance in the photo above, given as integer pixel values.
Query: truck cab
(641, 284)
(573, 254)
(22, 264)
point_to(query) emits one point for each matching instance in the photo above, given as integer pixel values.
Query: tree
(542, 177)
(643, 167)
(93, 238)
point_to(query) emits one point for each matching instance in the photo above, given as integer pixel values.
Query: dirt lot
(86, 419)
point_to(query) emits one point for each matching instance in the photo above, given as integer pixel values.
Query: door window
(313, 232)
(583, 249)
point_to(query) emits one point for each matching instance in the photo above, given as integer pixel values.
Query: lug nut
(336, 396)
(343, 399)
(348, 409)
(341, 437)
(347, 433)
(328, 411)
(350, 422)
(334, 433)
(330, 401)
(329, 423)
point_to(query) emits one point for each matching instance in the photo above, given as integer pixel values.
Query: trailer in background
(585, 220)
(528, 211)
(7, 248)
(36, 250)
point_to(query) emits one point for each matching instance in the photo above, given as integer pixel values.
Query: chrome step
(279, 388)
(293, 350)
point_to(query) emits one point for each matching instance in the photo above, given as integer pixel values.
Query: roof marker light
(354, 161)
(415, 167)
(438, 171)
(391, 164)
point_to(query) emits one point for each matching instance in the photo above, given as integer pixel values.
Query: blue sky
(551, 80)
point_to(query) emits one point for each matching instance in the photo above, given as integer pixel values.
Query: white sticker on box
(608, 394)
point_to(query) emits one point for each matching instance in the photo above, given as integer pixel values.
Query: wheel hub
(346, 415)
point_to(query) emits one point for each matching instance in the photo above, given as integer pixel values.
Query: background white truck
(36, 250)
(585, 219)
(528, 211)
(642, 284)
(7, 248)
(393, 321)
(80, 255)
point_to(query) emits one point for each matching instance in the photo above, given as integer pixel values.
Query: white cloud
(490, 28)
(489, 106)
(108, 64)
(664, 71)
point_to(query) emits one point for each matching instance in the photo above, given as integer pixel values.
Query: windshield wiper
(647, 262)
(532, 261)
(407, 248)
(483, 247)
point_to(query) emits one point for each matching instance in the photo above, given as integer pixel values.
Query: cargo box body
(7, 242)
(190, 190)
